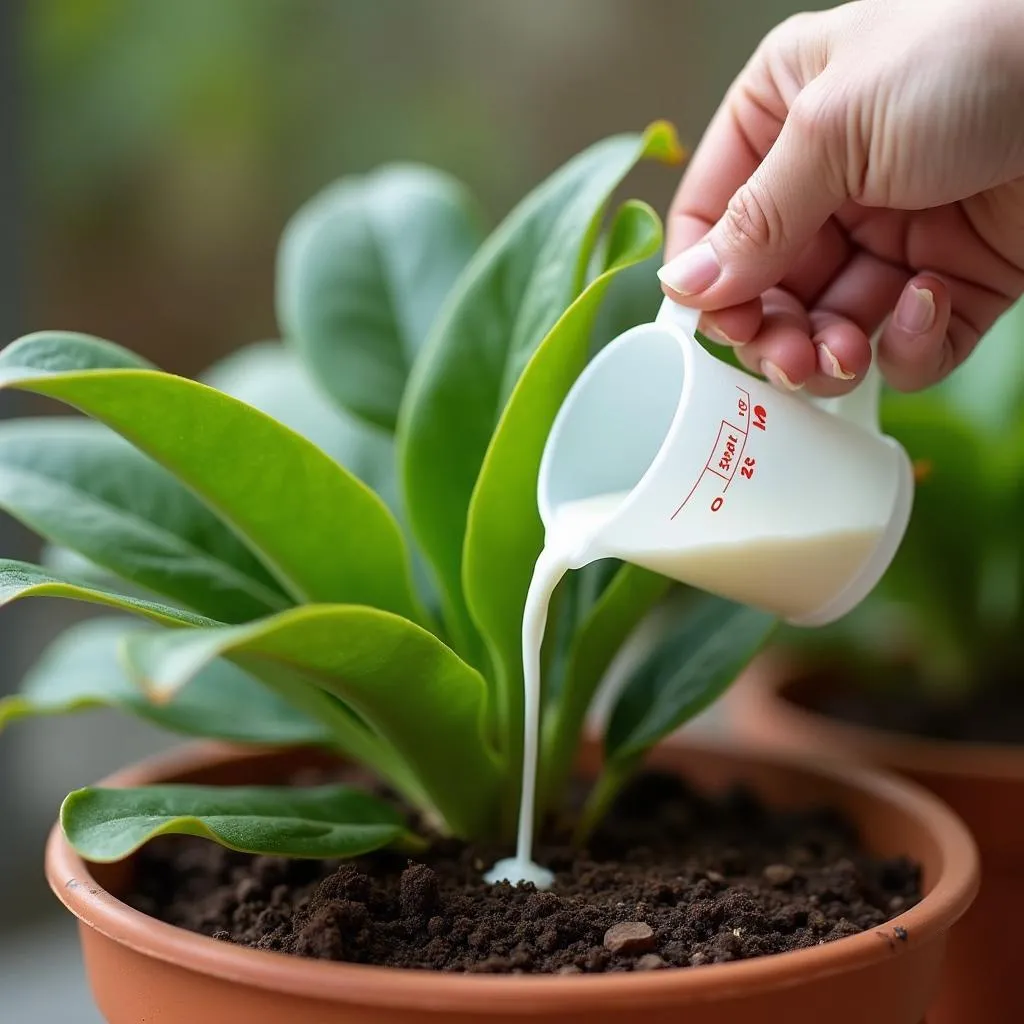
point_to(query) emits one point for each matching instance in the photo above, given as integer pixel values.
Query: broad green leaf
(78, 484)
(688, 672)
(271, 377)
(504, 534)
(106, 825)
(632, 298)
(64, 352)
(21, 579)
(631, 594)
(82, 670)
(324, 535)
(65, 562)
(516, 287)
(571, 605)
(363, 269)
(410, 689)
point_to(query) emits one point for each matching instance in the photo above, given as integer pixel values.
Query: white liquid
(574, 525)
(803, 573)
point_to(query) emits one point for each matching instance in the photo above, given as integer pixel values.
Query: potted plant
(377, 694)
(923, 678)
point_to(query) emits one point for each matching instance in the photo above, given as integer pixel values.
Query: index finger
(746, 126)
(740, 134)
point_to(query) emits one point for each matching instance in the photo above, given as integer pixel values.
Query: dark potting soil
(993, 714)
(672, 879)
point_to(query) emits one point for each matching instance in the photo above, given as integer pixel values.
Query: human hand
(868, 159)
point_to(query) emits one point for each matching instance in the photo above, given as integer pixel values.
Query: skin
(865, 168)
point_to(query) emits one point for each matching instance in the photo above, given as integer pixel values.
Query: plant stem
(623, 605)
(613, 777)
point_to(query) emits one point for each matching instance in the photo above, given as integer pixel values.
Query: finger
(773, 216)
(843, 354)
(847, 314)
(782, 350)
(735, 325)
(821, 261)
(746, 125)
(917, 348)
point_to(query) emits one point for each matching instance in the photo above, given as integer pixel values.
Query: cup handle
(682, 317)
(862, 405)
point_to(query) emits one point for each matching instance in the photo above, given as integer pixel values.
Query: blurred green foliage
(288, 91)
(952, 603)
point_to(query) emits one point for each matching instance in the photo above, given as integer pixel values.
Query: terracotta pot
(144, 970)
(983, 784)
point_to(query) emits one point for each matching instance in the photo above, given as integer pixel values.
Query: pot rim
(768, 682)
(407, 989)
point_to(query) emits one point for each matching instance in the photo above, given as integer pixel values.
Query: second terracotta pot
(983, 979)
(142, 969)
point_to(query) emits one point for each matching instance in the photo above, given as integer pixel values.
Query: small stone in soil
(629, 937)
(778, 874)
(650, 962)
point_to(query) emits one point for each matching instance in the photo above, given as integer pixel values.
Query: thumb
(773, 215)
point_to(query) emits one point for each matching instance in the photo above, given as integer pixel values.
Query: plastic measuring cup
(787, 503)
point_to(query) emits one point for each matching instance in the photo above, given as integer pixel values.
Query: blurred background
(159, 149)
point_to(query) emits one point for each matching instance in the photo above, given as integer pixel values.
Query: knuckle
(818, 112)
(752, 219)
(790, 31)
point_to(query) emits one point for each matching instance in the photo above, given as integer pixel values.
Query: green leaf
(362, 272)
(423, 701)
(106, 825)
(22, 579)
(350, 734)
(632, 298)
(64, 352)
(271, 377)
(687, 673)
(509, 297)
(78, 484)
(82, 670)
(65, 562)
(322, 533)
(504, 534)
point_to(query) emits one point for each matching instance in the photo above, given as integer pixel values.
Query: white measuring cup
(698, 471)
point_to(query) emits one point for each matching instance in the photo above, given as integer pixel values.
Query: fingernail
(692, 271)
(832, 366)
(915, 312)
(715, 333)
(777, 376)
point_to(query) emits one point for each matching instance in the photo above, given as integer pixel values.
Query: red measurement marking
(731, 442)
(739, 460)
(728, 449)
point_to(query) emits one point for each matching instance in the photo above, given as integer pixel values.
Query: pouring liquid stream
(809, 571)
(575, 524)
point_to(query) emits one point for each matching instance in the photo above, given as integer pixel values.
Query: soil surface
(993, 714)
(673, 879)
